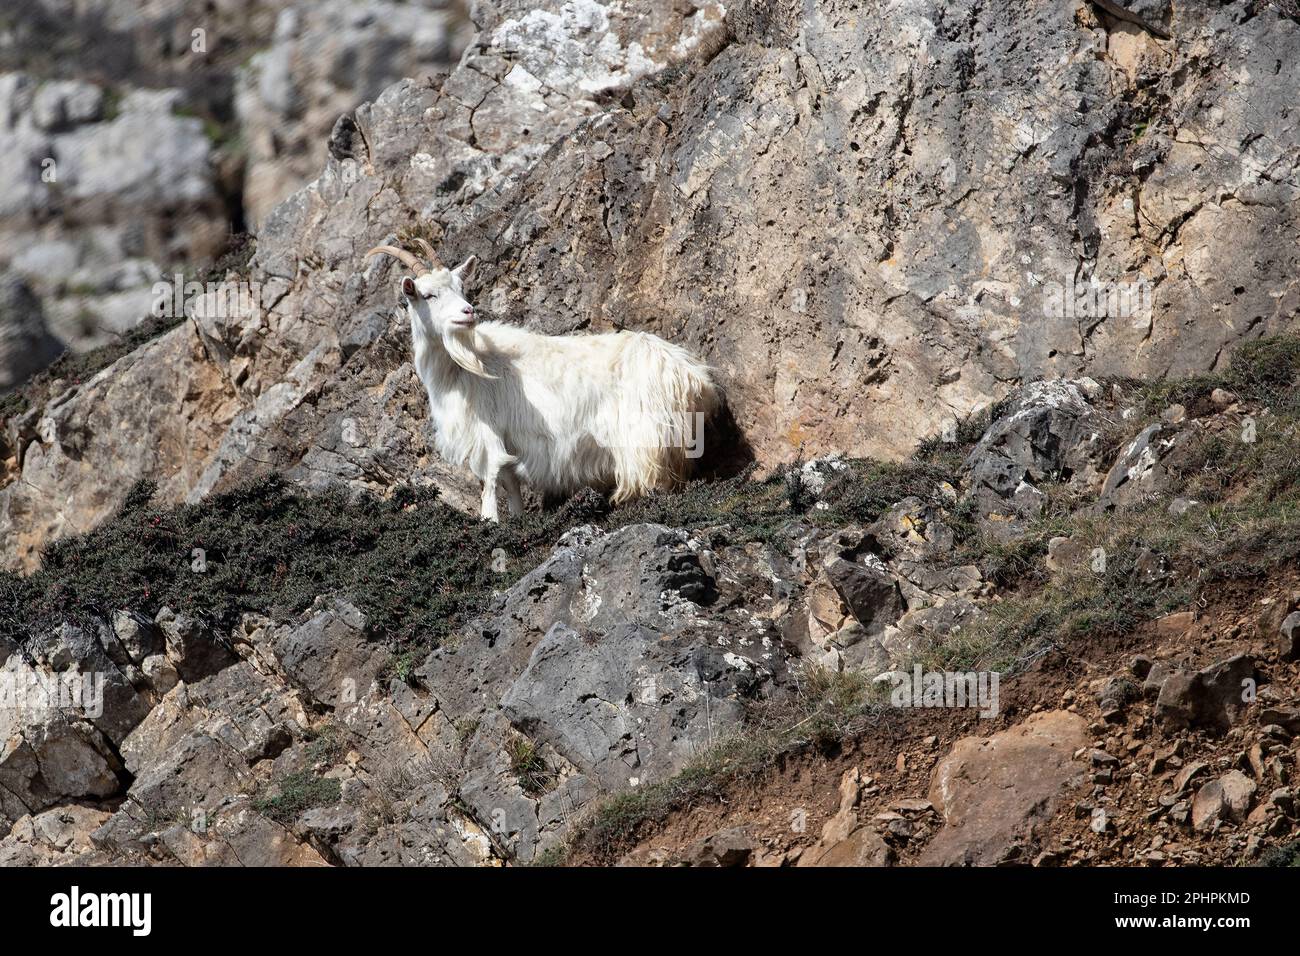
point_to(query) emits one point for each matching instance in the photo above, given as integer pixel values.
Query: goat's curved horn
(429, 253)
(407, 258)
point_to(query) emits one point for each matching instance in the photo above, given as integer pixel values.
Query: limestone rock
(1230, 797)
(1289, 637)
(1212, 697)
(1047, 432)
(845, 840)
(730, 847)
(993, 792)
(643, 152)
(26, 344)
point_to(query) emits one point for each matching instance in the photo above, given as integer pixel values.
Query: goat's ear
(466, 269)
(408, 287)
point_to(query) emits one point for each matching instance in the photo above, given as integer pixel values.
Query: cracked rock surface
(861, 215)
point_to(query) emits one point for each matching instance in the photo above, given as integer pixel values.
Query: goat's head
(435, 298)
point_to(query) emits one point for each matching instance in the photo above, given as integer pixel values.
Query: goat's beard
(462, 346)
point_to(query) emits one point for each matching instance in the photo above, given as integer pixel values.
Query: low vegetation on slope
(417, 567)
(420, 569)
(1242, 522)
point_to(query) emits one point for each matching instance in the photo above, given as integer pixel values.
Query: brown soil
(901, 748)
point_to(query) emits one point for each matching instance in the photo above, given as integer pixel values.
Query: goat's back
(616, 409)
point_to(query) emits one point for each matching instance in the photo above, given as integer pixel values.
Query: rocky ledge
(594, 705)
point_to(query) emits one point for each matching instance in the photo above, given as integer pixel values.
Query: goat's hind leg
(510, 479)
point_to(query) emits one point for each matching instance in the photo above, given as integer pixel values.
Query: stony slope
(700, 691)
(853, 212)
(566, 685)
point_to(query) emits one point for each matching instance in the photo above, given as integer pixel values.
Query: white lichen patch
(584, 46)
(574, 49)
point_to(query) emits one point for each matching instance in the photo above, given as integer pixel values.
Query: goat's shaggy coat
(616, 411)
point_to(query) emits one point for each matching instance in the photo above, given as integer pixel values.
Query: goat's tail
(665, 397)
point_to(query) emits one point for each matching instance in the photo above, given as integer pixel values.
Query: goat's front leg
(488, 511)
(498, 463)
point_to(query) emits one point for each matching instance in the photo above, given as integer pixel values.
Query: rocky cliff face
(874, 220)
(719, 693)
(860, 215)
(611, 664)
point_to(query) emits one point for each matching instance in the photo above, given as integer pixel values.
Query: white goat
(617, 410)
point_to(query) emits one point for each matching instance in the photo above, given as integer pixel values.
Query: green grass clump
(402, 666)
(327, 745)
(298, 792)
(529, 767)
(622, 819)
(1249, 538)
(1286, 855)
(552, 856)
(1263, 371)
(826, 707)
(949, 448)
